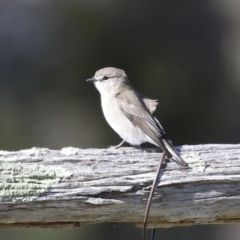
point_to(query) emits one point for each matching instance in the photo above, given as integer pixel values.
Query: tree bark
(49, 188)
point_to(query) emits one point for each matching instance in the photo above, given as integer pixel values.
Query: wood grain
(61, 189)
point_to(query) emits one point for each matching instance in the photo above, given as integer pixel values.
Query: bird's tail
(172, 151)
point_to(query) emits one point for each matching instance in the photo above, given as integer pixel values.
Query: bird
(130, 113)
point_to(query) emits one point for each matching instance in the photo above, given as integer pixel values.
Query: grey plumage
(129, 113)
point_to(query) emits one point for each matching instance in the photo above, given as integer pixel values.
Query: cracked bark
(61, 189)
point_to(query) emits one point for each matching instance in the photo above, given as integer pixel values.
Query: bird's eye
(105, 78)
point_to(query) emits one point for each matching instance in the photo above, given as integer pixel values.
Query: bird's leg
(151, 196)
(119, 145)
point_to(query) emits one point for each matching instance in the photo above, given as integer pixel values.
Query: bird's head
(109, 79)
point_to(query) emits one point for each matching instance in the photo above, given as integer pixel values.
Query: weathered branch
(49, 188)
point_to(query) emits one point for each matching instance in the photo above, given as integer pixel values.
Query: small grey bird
(129, 113)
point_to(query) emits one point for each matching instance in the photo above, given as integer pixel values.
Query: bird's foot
(139, 147)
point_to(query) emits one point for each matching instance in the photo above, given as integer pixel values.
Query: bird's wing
(140, 115)
(151, 104)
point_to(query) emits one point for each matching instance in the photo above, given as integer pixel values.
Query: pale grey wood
(50, 188)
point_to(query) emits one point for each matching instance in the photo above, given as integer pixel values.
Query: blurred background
(186, 55)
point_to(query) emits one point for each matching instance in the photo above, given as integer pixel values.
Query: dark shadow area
(118, 231)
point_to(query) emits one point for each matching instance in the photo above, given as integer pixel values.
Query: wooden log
(50, 188)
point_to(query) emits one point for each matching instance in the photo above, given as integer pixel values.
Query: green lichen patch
(25, 182)
(194, 161)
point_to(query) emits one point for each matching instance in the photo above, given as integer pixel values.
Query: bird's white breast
(120, 123)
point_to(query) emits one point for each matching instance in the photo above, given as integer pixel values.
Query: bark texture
(50, 188)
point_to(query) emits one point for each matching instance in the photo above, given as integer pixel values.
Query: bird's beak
(91, 80)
